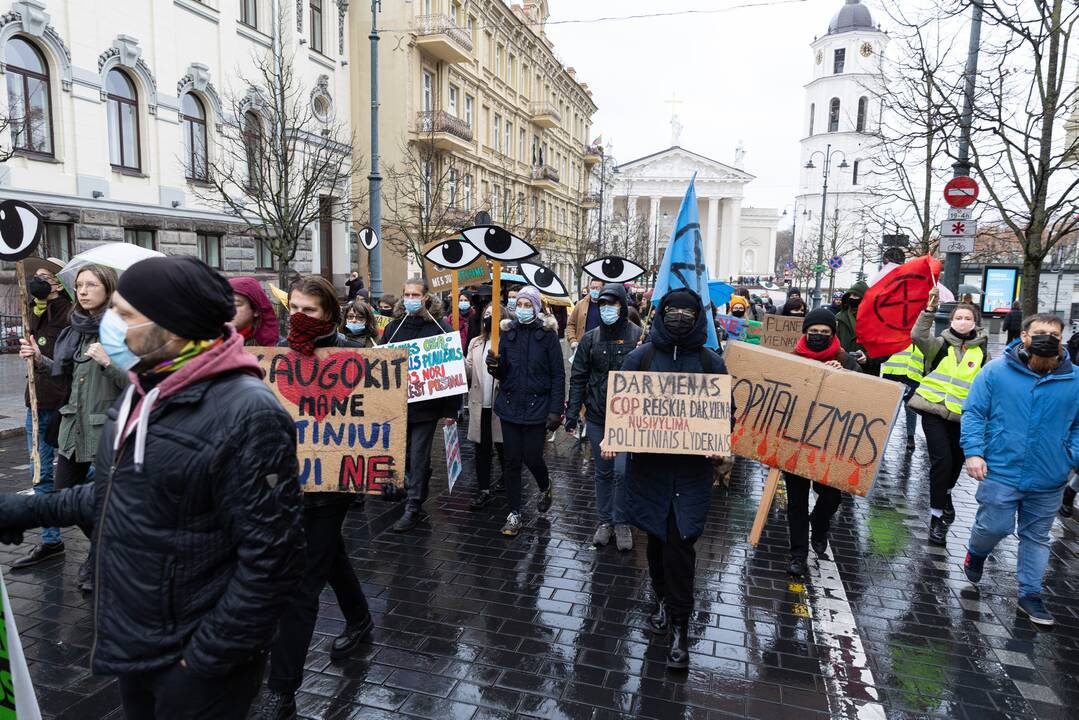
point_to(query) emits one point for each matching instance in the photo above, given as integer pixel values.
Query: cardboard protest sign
(803, 417)
(350, 411)
(18, 701)
(452, 439)
(381, 321)
(672, 413)
(740, 329)
(781, 332)
(436, 366)
(439, 279)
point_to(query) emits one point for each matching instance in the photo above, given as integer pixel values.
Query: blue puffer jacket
(531, 372)
(1025, 425)
(660, 484)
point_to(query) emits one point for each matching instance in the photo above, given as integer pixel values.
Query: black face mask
(853, 304)
(679, 325)
(1044, 346)
(738, 312)
(487, 324)
(39, 288)
(817, 342)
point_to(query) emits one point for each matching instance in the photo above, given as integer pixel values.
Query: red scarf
(829, 353)
(304, 331)
(247, 333)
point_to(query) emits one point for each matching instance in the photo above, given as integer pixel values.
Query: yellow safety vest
(908, 363)
(950, 381)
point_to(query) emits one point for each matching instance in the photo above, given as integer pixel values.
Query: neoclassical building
(647, 194)
(117, 109)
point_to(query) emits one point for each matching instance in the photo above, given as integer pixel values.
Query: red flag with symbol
(892, 305)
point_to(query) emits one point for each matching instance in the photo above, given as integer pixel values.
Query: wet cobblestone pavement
(473, 626)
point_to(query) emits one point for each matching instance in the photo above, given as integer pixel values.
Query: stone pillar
(631, 223)
(654, 240)
(771, 269)
(732, 214)
(711, 238)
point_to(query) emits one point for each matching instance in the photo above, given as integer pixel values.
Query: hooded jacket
(265, 334)
(601, 351)
(198, 546)
(1024, 425)
(847, 318)
(531, 372)
(406, 327)
(658, 485)
(52, 390)
(933, 348)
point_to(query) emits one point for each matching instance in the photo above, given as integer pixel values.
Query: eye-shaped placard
(21, 228)
(544, 280)
(368, 238)
(498, 243)
(613, 269)
(453, 253)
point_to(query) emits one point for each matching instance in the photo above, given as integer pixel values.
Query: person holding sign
(670, 500)
(419, 315)
(531, 394)
(600, 352)
(952, 361)
(198, 544)
(818, 342)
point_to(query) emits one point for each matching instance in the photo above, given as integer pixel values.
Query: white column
(631, 220)
(732, 214)
(711, 238)
(771, 269)
(654, 240)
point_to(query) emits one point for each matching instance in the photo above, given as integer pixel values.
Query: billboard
(1001, 284)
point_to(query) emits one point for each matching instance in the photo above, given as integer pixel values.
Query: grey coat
(476, 365)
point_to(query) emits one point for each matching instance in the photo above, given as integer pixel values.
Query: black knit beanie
(180, 293)
(820, 316)
(682, 299)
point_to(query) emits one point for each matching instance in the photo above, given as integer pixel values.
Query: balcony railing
(590, 198)
(440, 24)
(440, 121)
(544, 172)
(545, 107)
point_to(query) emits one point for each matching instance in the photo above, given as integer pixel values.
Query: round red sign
(961, 192)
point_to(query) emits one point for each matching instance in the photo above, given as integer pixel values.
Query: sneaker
(345, 643)
(949, 511)
(820, 546)
(603, 535)
(938, 531)
(480, 501)
(513, 525)
(545, 500)
(1033, 607)
(797, 567)
(623, 537)
(40, 553)
(973, 566)
(276, 706)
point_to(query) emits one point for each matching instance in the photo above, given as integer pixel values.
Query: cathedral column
(711, 238)
(653, 231)
(732, 216)
(631, 222)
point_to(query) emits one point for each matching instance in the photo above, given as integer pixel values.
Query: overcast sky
(738, 74)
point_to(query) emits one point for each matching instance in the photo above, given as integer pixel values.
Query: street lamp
(828, 155)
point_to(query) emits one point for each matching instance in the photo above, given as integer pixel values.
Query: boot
(1066, 502)
(276, 706)
(949, 511)
(678, 657)
(797, 567)
(410, 519)
(350, 639)
(938, 531)
(658, 620)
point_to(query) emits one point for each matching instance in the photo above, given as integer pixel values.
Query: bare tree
(284, 163)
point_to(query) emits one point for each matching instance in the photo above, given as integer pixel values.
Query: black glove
(553, 421)
(15, 516)
(571, 424)
(491, 361)
(11, 537)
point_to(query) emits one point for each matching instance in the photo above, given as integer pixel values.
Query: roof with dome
(852, 16)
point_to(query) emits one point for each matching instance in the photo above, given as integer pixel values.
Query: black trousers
(421, 435)
(672, 565)
(522, 444)
(485, 448)
(945, 458)
(799, 519)
(176, 693)
(326, 562)
(68, 474)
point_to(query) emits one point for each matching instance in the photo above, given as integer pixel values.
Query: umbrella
(970, 289)
(117, 255)
(511, 277)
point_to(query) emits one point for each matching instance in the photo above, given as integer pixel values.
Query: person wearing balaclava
(739, 306)
(196, 508)
(818, 343)
(1020, 434)
(670, 500)
(952, 360)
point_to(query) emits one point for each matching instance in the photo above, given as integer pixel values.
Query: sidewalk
(12, 386)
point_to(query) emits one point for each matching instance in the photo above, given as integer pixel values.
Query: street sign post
(960, 213)
(835, 262)
(958, 229)
(957, 245)
(961, 192)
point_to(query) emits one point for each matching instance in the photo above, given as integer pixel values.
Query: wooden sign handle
(31, 388)
(769, 494)
(496, 300)
(454, 290)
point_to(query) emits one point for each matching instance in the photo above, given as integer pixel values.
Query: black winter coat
(531, 372)
(198, 555)
(413, 327)
(658, 485)
(52, 390)
(600, 352)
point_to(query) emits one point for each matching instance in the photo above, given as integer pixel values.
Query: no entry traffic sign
(961, 192)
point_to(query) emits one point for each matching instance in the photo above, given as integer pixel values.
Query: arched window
(863, 111)
(812, 116)
(252, 136)
(193, 129)
(123, 104)
(29, 106)
(833, 115)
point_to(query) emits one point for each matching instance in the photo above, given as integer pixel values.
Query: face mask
(853, 304)
(39, 288)
(525, 315)
(112, 334)
(1044, 346)
(487, 324)
(738, 312)
(464, 306)
(413, 305)
(798, 313)
(817, 342)
(679, 325)
(609, 314)
(511, 305)
(962, 327)
(385, 312)
(356, 327)
(594, 294)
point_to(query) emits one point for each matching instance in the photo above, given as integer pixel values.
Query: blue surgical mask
(511, 305)
(112, 334)
(355, 327)
(609, 314)
(413, 305)
(464, 306)
(525, 315)
(594, 294)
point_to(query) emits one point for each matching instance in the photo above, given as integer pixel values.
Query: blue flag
(683, 263)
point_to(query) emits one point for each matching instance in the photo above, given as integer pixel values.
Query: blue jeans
(998, 506)
(610, 479)
(49, 535)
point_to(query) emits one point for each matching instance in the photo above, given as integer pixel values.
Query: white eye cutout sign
(21, 229)
(498, 243)
(613, 269)
(368, 237)
(544, 280)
